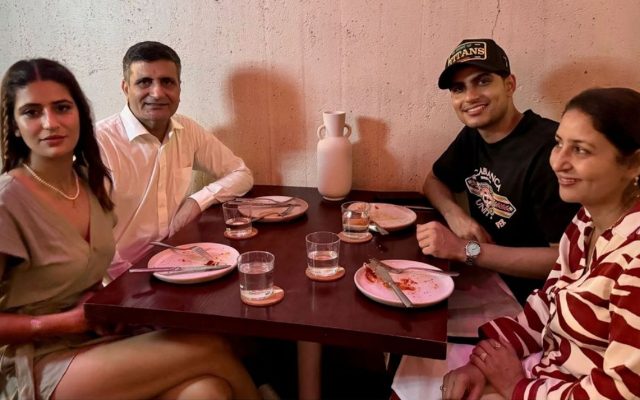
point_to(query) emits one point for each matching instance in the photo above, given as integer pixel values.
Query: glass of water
(237, 219)
(323, 249)
(355, 219)
(255, 270)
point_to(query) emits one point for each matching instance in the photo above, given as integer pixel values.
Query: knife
(419, 207)
(182, 270)
(266, 205)
(391, 269)
(383, 274)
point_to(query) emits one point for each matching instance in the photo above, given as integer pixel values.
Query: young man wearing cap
(500, 159)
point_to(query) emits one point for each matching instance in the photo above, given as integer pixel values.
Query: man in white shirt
(152, 151)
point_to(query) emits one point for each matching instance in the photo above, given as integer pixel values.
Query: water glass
(255, 270)
(323, 249)
(237, 219)
(355, 219)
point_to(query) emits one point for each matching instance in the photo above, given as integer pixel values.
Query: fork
(262, 200)
(401, 270)
(277, 213)
(196, 249)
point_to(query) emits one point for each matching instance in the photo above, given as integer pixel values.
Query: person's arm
(15, 328)
(524, 262)
(232, 177)
(619, 375)
(458, 220)
(529, 262)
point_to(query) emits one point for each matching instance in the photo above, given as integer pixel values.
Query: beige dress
(49, 266)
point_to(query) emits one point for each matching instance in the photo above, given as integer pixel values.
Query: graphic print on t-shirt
(484, 184)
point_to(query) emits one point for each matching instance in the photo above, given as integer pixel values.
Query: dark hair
(615, 112)
(15, 152)
(148, 52)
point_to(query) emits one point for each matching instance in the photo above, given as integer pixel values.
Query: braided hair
(88, 163)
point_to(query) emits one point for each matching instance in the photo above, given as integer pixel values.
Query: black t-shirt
(512, 191)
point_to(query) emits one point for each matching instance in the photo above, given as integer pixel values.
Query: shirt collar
(628, 223)
(623, 227)
(134, 128)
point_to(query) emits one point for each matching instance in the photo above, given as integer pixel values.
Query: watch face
(473, 249)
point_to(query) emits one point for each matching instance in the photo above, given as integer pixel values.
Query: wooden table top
(334, 313)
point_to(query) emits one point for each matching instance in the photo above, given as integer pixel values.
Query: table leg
(309, 370)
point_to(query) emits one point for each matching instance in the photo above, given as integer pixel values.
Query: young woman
(585, 321)
(55, 246)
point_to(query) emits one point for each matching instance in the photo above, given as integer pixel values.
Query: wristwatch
(471, 251)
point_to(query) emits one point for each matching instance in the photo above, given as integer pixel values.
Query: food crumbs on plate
(369, 274)
(407, 284)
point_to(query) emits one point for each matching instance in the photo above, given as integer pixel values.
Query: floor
(346, 373)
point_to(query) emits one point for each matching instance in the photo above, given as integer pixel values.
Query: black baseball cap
(482, 53)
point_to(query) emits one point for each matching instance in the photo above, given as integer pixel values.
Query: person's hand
(73, 320)
(499, 363)
(76, 322)
(437, 240)
(465, 227)
(188, 211)
(466, 382)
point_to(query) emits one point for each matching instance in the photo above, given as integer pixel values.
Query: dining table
(327, 313)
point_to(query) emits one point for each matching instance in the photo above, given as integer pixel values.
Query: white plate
(222, 254)
(422, 288)
(392, 217)
(297, 211)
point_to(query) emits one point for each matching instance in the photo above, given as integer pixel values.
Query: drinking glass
(237, 219)
(323, 249)
(255, 270)
(355, 219)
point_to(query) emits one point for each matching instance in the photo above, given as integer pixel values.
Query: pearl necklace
(55, 189)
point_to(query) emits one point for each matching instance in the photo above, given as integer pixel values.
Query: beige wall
(260, 73)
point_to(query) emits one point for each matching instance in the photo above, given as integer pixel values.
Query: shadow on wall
(372, 161)
(569, 79)
(266, 123)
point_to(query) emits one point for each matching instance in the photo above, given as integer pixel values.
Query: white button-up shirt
(152, 179)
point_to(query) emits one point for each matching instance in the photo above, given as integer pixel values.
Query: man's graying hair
(148, 52)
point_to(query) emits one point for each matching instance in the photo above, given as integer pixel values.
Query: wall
(260, 73)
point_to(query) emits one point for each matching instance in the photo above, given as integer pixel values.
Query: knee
(213, 388)
(204, 387)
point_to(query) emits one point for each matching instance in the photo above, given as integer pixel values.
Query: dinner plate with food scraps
(269, 210)
(421, 287)
(220, 254)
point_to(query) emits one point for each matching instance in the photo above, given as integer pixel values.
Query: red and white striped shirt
(585, 320)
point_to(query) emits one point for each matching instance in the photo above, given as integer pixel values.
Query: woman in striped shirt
(585, 321)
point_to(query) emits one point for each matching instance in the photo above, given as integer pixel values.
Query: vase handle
(348, 130)
(320, 134)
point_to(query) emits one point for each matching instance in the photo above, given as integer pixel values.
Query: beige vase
(334, 156)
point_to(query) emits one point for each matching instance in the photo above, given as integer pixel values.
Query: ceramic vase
(334, 156)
